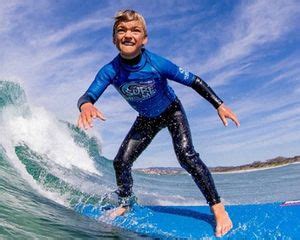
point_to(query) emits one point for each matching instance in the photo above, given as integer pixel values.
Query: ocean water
(48, 166)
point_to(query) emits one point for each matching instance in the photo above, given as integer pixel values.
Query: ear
(114, 40)
(145, 40)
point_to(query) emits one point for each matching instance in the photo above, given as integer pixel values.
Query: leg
(137, 139)
(189, 159)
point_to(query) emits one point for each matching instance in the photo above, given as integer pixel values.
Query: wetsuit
(143, 83)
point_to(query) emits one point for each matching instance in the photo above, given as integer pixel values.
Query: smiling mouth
(128, 43)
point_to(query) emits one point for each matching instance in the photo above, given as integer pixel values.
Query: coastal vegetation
(257, 165)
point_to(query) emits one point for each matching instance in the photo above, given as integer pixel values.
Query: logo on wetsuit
(137, 91)
(185, 73)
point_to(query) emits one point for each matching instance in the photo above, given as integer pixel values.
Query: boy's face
(129, 38)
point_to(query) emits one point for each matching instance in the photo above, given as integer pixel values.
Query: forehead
(130, 24)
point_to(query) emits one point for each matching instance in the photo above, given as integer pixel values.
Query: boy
(141, 78)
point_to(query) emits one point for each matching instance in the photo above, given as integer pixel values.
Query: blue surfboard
(259, 221)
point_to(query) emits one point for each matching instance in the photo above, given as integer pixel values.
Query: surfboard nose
(290, 203)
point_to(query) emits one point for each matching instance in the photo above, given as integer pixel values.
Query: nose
(128, 34)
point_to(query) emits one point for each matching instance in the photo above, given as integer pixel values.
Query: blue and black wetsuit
(143, 83)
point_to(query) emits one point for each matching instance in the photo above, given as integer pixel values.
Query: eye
(121, 30)
(137, 30)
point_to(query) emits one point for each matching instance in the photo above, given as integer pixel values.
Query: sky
(247, 51)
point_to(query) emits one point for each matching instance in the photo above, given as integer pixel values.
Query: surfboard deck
(259, 221)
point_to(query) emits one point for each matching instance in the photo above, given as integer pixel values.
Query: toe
(218, 231)
(226, 229)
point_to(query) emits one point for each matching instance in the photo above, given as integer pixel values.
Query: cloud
(8, 12)
(93, 22)
(253, 26)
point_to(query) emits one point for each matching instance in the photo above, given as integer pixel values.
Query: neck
(132, 61)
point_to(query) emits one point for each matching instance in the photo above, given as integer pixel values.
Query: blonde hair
(127, 16)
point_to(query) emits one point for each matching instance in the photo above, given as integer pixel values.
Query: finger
(233, 117)
(237, 123)
(235, 120)
(101, 116)
(85, 122)
(90, 121)
(89, 118)
(94, 114)
(223, 118)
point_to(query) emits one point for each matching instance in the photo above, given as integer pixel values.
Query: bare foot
(223, 222)
(119, 211)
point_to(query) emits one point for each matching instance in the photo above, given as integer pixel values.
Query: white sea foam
(42, 133)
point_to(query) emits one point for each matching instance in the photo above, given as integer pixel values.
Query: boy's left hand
(225, 112)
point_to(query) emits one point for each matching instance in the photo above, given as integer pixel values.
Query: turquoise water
(26, 214)
(48, 166)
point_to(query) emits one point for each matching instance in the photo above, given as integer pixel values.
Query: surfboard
(257, 221)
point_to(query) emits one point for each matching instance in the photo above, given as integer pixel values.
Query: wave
(64, 163)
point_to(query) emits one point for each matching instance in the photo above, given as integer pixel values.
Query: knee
(122, 162)
(186, 153)
(189, 159)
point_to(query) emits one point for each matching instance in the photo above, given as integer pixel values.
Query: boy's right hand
(87, 114)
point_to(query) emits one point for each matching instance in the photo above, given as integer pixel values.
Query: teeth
(128, 43)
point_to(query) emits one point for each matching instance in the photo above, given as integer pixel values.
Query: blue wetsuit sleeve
(98, 86)
(174, 72)
(178, 74)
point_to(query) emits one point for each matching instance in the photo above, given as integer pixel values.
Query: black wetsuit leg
(188, 158)
(138, 138)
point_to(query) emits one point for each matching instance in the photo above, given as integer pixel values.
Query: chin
(129, 54)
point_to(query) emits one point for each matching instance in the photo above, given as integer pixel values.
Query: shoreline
(153, 171)
(254, 169)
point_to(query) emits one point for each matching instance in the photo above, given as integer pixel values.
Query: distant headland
(257, 165)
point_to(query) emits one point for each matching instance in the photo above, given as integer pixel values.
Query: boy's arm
(178, 74)
(201, 87)
(85, 103)
(98, 86)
